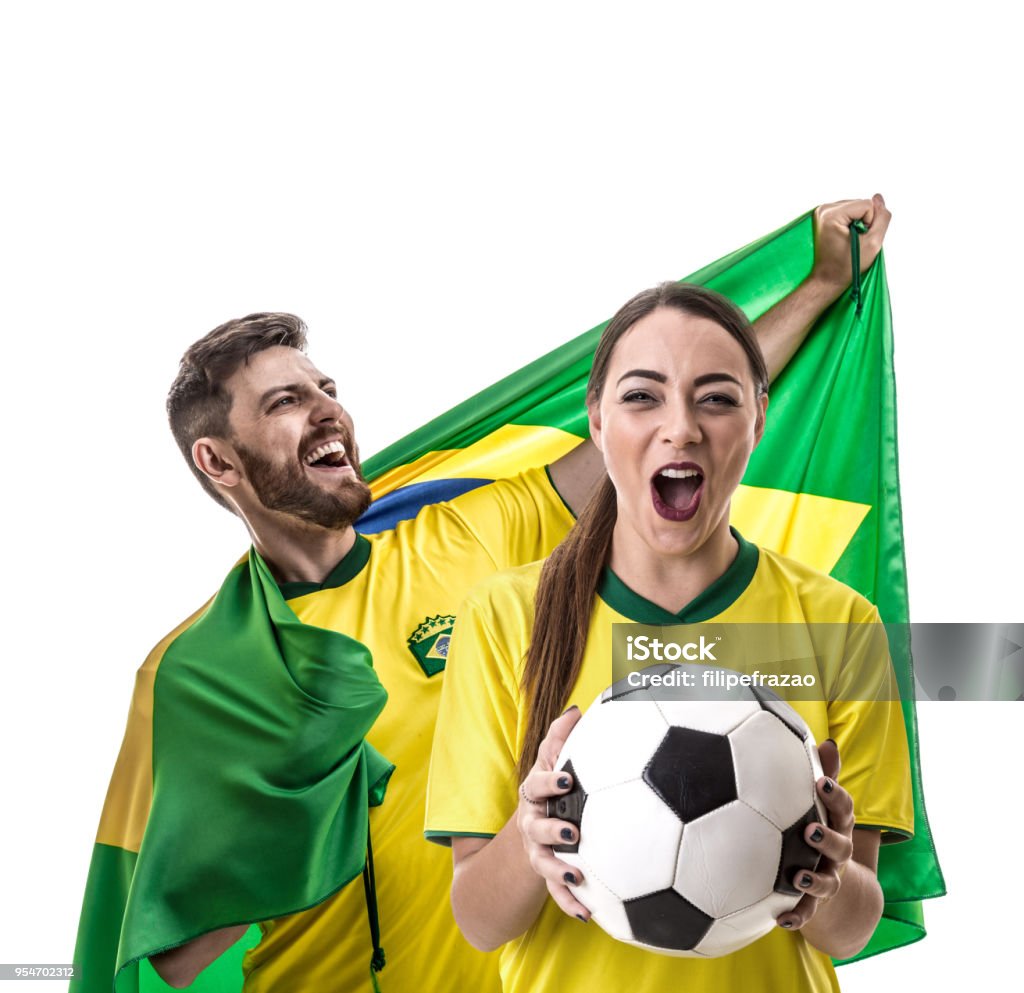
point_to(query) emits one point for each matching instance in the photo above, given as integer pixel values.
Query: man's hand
(782, 329)
(832, 264)
(539, 832)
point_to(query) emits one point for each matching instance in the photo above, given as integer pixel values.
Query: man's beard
(286, 488)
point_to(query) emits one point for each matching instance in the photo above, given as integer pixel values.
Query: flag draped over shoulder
(242, 788)
(822, 487)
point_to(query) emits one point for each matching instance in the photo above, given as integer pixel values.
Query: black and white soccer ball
(691, 814)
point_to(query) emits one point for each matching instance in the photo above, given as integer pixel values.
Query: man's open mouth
(676, 490)
(330, 455)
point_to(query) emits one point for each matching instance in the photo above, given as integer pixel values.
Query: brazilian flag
(242, 788)
(822, 487)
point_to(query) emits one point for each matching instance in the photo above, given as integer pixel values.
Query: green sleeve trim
(890, 835)
(551, 482)
(445, 837)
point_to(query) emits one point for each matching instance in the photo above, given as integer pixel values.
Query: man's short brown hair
(198, 405)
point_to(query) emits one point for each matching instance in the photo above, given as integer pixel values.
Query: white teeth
(679, 473)
(319, 453)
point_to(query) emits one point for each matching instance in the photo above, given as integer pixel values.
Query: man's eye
(282, 401)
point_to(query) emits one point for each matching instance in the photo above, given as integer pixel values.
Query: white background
(443, 193)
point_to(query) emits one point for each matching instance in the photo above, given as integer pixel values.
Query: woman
(677, 401)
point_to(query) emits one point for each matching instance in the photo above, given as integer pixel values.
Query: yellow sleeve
(865, 718)
(472, 785)
(516, 520)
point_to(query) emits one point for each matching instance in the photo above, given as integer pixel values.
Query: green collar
(348, 568)
(722, 593)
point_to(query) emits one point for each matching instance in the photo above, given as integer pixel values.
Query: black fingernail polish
(567, 834)
(563, 782)
(787, 924)
(567, 709)
(570, 878)
(817, 834)
(828, 786)
(805, 880)
(580, 917)
(833, 740)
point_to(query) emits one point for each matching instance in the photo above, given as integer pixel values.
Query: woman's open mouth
(676, 490)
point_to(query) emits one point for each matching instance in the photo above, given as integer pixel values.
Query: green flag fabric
(260, 782)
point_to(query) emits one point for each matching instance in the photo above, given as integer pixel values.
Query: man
(267, 437)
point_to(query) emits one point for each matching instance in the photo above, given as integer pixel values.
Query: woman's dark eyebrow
(644, 374)
(708, 377)
(714, 377)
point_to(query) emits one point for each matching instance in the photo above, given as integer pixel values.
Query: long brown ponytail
(564, 597)
(569, 579)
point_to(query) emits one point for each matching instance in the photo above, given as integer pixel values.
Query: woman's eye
(637, 396)
(719, 399)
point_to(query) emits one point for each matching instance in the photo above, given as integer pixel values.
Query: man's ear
(594, 420)
(217, 460)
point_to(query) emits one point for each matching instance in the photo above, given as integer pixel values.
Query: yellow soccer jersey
(397, 593)
(482, 724)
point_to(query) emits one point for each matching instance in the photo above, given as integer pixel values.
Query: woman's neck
(671, 581)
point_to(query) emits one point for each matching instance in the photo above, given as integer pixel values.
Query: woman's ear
(594, 420)
(762, 413)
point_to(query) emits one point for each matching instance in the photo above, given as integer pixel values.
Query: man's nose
(327, 409)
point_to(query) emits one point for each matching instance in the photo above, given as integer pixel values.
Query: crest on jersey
(429, 643)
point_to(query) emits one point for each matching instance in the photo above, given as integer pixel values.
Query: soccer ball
(691, 813)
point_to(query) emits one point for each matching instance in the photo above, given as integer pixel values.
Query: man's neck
(298, 552)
